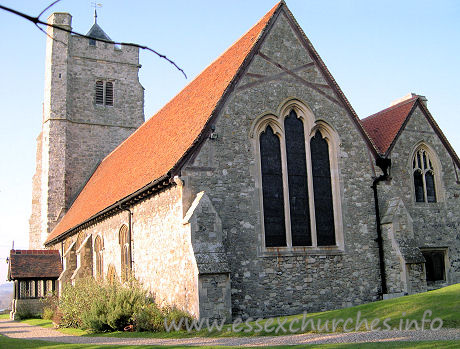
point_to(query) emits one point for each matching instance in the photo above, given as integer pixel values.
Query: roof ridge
(182, 121)
(391, 107)
(198, 75)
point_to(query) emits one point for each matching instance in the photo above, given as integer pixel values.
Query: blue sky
(377, 52)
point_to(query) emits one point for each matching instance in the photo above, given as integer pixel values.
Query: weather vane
(95, 5)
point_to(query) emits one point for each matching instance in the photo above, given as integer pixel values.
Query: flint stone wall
(435, 225)
(163, 259)
(226, 170)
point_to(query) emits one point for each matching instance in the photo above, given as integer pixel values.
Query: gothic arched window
(99, 261)
(111, 274)
(124, 252)
(272, 183)
(298, 180)
(424, 176)
(80, 238)
(324, 209)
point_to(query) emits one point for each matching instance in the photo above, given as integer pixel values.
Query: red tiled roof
(34, 264)
(384, 126)
(160, 143)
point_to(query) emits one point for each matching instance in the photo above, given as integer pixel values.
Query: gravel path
(15, 329)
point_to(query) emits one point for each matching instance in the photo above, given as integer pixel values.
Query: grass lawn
(5, 316)
(443, 303)
(12, 343)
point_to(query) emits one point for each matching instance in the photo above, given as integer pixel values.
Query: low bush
(50, 306)
(173, 314)
(76, 300)
(48, 313)
(26, 312)
(101, 307)
(149, 318)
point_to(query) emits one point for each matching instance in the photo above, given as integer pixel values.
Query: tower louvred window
(109, 93)
(99, 92)
(104, 92)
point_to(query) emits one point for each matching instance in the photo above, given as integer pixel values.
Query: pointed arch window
(111, 274)
(324, 209)
(99, 261)
(272, 183)
(124, 252)
(300, 198)
(424, 176)
(297, 180)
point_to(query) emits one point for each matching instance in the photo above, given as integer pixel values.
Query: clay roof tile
(384, 126)
(159, 144)
(25, 264)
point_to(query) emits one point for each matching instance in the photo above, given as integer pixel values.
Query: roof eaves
(151, 186)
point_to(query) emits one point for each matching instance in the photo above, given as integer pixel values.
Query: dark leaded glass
(434, 265)
(430, 190)
(418, 185)
(272, 189)
(297, 179)
(324, 211)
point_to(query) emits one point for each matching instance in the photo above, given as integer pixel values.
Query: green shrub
(149, 318)
(174, 314)
(50, 306)
(75, 300)
(25, 312)
(101, 306)
(48, 313)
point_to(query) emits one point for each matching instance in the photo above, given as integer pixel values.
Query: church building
(256, 191)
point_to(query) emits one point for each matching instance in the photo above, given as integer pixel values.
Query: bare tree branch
(37, 22)
(50, 36)
(48, 7)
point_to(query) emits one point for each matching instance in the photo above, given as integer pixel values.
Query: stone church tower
(92, 102)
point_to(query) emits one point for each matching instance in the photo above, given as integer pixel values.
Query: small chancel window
(424, 177)
(104, 93)
(98, 252)
(124, 252)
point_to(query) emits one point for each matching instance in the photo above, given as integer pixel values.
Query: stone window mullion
(287, 210)
(311, 198)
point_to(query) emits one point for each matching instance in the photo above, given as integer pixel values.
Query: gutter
(147, 190)
(384, 164)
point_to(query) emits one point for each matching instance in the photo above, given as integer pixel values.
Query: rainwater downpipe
(384, 164)
(129, 237)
